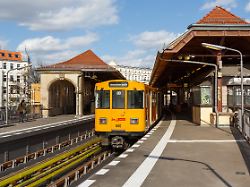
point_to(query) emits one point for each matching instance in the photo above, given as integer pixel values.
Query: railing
(13, 116)
(244, 127)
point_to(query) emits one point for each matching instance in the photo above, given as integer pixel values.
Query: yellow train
(124, 111)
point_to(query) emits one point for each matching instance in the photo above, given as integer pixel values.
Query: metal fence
(244, 127)
(13, 117)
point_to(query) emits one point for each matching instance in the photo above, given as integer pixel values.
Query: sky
(129, 32)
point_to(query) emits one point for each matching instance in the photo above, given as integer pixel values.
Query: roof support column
(79, 95)
(219, 64)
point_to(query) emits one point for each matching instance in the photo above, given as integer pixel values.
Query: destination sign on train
(118, 84)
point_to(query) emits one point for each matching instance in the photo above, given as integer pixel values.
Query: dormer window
(16, 55)
(10, 55)
(2, 54)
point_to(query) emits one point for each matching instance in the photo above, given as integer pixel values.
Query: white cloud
(60, 14)
(3, 44)
(146, 46)
(50, 43)
(52, 50)
(153, 40)
(135, 58)
(248, 7)
(225, 3)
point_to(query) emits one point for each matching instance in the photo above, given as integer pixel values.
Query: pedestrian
(21, 110)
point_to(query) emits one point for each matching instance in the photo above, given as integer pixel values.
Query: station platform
(14, 129)
(177, 152)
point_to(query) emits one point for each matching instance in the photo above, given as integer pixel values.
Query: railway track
(46, 172)
(11, 164)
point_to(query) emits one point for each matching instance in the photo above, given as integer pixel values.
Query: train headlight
(103, 120)
(134, 121)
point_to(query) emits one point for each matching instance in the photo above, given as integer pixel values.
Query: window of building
(10, 55)
(18, 90)
(4, 65)
(2, 54)
(11, 66)
(11, 78)
(4, 89)
(11, 89)
(16, 55)
(4, 78)
(18, 65)
(18, 78)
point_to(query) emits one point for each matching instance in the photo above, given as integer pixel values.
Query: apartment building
(138, 74)
(12, 63)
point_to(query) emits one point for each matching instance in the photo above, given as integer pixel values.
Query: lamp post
(7, 90)
(219, 48)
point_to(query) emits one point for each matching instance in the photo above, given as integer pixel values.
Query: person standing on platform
(21, 110)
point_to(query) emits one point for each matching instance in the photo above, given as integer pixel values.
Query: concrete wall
(47, 79)
(201, 115)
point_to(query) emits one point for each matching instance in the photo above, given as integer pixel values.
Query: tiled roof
(221, 16)
(88, 60)
(10, 55)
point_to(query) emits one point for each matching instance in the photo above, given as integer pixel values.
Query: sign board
(118, 84)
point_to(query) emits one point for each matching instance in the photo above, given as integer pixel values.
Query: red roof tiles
(88, 59)
(221, 16)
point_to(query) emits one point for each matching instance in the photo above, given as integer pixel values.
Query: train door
(153, 107)
(147, 108)
(118, 112)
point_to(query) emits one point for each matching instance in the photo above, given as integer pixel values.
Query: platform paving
(192, 156)
(39, 122)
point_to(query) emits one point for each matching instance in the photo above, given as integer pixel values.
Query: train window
(102, 99)
(135, 99)
(118, 99)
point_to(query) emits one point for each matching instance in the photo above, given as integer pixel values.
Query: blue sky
(130, 32)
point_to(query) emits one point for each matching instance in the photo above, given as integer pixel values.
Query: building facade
(11, 64)
(68, 87)
(133, 73)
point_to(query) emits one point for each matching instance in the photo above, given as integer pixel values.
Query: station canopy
(219, 27)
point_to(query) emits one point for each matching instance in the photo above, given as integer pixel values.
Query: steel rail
(43, 152)
(58, 169)
(81, 171)
(17, 177)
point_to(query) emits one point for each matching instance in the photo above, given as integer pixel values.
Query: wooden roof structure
(219, 27)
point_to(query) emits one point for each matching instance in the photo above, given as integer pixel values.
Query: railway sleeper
(80, 171)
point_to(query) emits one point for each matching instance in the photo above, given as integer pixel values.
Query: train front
(120, 115)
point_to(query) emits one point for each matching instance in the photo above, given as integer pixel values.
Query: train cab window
(135, 99)
(118, 99)
(102, 99)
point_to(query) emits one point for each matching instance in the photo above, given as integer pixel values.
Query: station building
(10, 61)
(185, 70)
(68, 87)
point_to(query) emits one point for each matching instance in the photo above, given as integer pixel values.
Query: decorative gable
(221, 16)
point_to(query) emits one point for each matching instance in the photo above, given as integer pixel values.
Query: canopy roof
(218, 27)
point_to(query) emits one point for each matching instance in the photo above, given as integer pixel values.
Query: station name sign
(118, 84)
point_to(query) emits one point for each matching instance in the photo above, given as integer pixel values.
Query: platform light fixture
(220, 48)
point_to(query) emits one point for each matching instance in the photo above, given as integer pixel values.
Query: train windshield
(118, 99)
(102, 99)
(135, 99)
